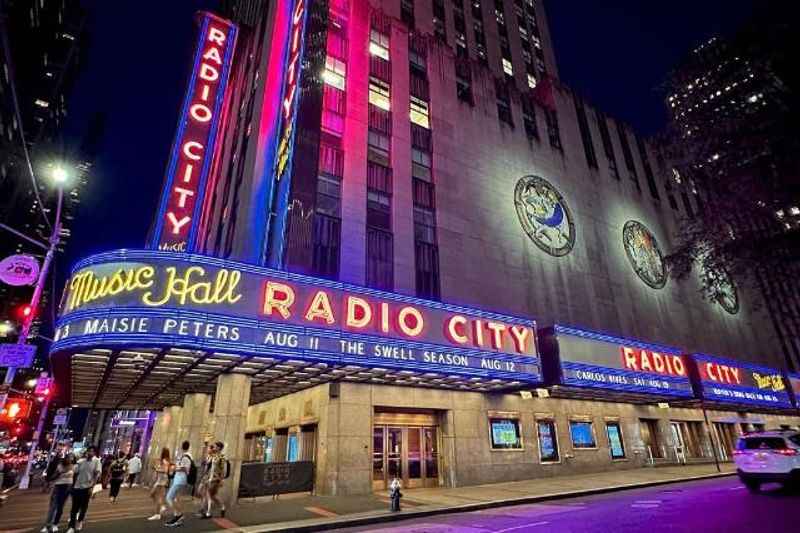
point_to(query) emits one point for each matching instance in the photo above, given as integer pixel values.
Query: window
(419, 113)
(582, 434)
(380, 260)
(650, 437)
(586, 134)
(424, 225)
(335, 71)
(548, 441)
(615, 443)
(329, 195)
(379, 44)
(504, 434)
(508, 68)
(427, 270)
(327, 238)
(379, 94)
(553, 131)
(379, 209)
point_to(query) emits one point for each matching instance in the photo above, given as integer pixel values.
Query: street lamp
(59, 177)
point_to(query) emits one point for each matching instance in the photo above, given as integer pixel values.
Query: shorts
(174, 490)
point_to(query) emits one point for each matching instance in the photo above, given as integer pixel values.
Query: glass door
(406, 452)
(394, 454)
(414, 457)
(431, 450)
(678, 442)
(378, 458)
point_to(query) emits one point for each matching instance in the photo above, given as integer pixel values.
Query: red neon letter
(519, 334)
(177, 224)
(216, 36)
(414, 329)
(359, 313)
(280, 297)
(629, 358)
(453, 329)
(320, 307)
(187, 150)
(497, 334)
(200, 112)
(208, 73)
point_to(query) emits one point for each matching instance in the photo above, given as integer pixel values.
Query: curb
(315, 524)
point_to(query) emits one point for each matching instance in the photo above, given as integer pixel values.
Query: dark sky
(613, 52)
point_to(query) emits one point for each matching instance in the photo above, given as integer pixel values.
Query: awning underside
(154, 378)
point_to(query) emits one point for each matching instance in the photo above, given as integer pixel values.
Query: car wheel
(752, 486)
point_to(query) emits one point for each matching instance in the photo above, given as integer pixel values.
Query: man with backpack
(217, 470)
(185, 475)
(118, 468)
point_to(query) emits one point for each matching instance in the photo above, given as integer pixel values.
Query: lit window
(335, 71)
(508, 68)
(42, 103)
(582, 434)
(379, 95)
(419, 113)
(379, 44)
(794, 211)
(505, 434)
(532, 81)
(68, 37)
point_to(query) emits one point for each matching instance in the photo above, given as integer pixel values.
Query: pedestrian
(61, 481)
(217, 469)
(118, 469)
(160, 484)
(87, 475)
(106, 466)
(2, 473)
(134, 468)
(185, 475)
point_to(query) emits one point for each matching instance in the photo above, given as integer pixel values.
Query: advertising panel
(737, 382)
(583, 358)
(187, 172)
(794, 384)
(161, 298)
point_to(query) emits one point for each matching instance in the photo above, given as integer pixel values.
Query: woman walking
(118, 469)
(62, 482)
(160, 484)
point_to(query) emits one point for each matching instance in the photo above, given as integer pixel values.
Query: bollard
(395, 495)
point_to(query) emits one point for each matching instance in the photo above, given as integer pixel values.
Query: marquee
(155, 298)
(736, 382)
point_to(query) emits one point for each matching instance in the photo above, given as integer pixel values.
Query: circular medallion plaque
(644, 254)
(544, 215)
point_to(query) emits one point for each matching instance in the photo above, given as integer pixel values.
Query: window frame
(506, 417)
(554, 426)
(618, 424)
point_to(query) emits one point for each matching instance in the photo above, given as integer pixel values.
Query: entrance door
(409, 453)
(678, 441)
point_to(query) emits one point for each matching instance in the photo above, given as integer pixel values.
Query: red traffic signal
(16, 409)
(24, 311)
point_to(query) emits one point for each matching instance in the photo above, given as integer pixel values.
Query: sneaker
(53, 529)
(44, 529)
(71, 530)
(176, 521)
(79, 527)
(154, 517)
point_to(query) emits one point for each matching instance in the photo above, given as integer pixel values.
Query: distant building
(40, 55)
(734, 100)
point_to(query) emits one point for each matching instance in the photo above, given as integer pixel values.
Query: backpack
(191, 476)
(227, 469)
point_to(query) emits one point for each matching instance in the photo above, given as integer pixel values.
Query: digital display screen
(582, 434)
(548, 446)
(505, 433)
(615, 441)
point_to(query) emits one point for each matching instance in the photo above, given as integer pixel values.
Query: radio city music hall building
(392, 244)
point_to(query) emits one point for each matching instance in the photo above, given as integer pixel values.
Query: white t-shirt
(134, 465)
(182, 473)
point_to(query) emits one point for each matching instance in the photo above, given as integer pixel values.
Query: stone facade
(344, 437)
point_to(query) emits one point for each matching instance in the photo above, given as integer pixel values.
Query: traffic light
(16, 409)
(24, 311)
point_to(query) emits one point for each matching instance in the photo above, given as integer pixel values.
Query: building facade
(418, 255)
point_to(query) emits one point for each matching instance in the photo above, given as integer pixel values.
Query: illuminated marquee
(193, 151)
(290, 88)
(587, 359)
(162, 298)
(730, 381)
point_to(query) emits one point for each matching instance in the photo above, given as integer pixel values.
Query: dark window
(761, 443)
(380, 120)
(379, 209)
(586, 134)
(648, 169)
(424, 194)
(628, 155)
(529, 118)
(329, 195)
(380, 259)
(608, 146)
(464, 80)
(327, 236)
(331, 160)
(687, 204)
(407, 12)
(553, 132)
(427, 270)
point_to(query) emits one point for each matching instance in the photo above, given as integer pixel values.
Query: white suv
(768, 456)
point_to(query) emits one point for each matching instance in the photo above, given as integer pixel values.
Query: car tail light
(738, 452)
(786, 451)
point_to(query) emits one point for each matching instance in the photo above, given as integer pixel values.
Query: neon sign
(730, 381)
(193, 151)
(290, 96)
(587, 359)
(175, 299)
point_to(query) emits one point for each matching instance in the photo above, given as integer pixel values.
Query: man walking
(215, 473)
(134, 468)
(185, 475)
(87, 474)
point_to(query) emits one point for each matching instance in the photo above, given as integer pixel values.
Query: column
(172, 422)
(194, 424)
(231, 402)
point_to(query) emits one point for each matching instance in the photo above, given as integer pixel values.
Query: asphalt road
(722, 505)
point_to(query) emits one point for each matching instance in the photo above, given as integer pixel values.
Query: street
(708, 506)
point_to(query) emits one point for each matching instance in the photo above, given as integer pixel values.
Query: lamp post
(59, 177)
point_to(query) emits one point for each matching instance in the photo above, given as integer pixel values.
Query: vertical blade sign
(290, 88)
(193, 151)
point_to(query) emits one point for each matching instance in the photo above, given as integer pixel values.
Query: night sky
(615, 53)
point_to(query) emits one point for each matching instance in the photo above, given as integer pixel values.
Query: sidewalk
(424, 502)
(303, 512)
